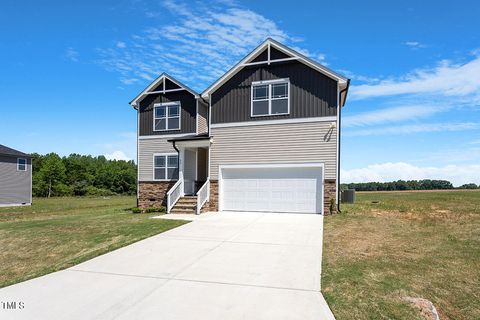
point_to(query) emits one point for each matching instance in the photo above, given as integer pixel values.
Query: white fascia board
(194, 143)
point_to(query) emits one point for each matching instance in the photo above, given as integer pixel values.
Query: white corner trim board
(265, 122)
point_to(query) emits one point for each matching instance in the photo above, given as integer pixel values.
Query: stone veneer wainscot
(153, 193)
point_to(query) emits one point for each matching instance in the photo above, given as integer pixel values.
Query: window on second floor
(21, 164)
(165, 167)
(166, 116)
(270, 98)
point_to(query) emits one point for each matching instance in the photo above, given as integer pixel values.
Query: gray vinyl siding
(146, 149)
(202, 118)
(312, 94)
(188, 112)
(275, 143)
(15, 186)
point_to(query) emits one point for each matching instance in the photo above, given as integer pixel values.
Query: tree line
(80, 175)
(406, 185)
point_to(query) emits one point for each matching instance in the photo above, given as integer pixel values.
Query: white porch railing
(174, 194)
(203, 195)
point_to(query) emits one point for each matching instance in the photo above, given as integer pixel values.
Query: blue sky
(70, 68)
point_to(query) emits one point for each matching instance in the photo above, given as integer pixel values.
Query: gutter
(339, 135)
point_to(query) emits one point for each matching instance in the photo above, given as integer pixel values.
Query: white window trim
(166, 165)
(18, 164)
(269, 99)
(166, 115)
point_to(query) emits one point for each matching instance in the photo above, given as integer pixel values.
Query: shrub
(155, 209)
(136, 210)
(331, 206)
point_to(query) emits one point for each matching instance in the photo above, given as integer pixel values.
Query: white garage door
(286, 189)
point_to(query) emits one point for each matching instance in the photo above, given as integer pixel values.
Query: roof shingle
(4, 150)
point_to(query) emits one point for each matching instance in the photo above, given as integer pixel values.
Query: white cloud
(394, 114)
(121, 44)
(117, 155)
(358, 77)
(128, 81)
(121, 146)
(414, 44)
(203, 41)
(446, 79)
(72, 54)
(384, 172)
(414, 128)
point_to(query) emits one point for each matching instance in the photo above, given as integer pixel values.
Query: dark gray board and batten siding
(15, 186)
(312, 94)
(188, 112)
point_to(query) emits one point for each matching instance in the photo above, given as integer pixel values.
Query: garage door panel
(272, 189)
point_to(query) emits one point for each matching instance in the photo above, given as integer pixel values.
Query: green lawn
(57, 233)
(416, 244)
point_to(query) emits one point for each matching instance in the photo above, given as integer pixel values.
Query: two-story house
(263, 137)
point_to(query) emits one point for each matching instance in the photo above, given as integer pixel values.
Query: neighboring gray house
(263, 137)
(15, 177)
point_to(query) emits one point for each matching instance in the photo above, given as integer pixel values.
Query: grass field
(54, 234)
(391, 245)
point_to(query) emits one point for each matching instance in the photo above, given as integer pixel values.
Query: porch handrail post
(174, 194)
(203, 195)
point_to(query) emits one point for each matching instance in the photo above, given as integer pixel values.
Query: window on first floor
(270, 98)
(165, 167)
(166, 116)
(21, 164)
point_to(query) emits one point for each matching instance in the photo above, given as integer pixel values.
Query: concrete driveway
(221, 266)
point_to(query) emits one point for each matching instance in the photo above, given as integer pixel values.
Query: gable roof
(156, 82)
(4, 150)
(293, 55)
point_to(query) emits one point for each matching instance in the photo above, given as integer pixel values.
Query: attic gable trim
(267, 45)
(155, 82)
(269, 61)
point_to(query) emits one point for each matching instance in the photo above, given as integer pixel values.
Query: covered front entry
(276, 187)
(194, 169)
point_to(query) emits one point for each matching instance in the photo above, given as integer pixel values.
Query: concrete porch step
(185, 205)
(187, 200)
(183, 211)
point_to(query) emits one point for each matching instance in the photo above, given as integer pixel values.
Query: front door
(190, 171)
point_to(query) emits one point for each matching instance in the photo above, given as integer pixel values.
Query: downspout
(178, 156)
(339, 134)
(176, 149)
